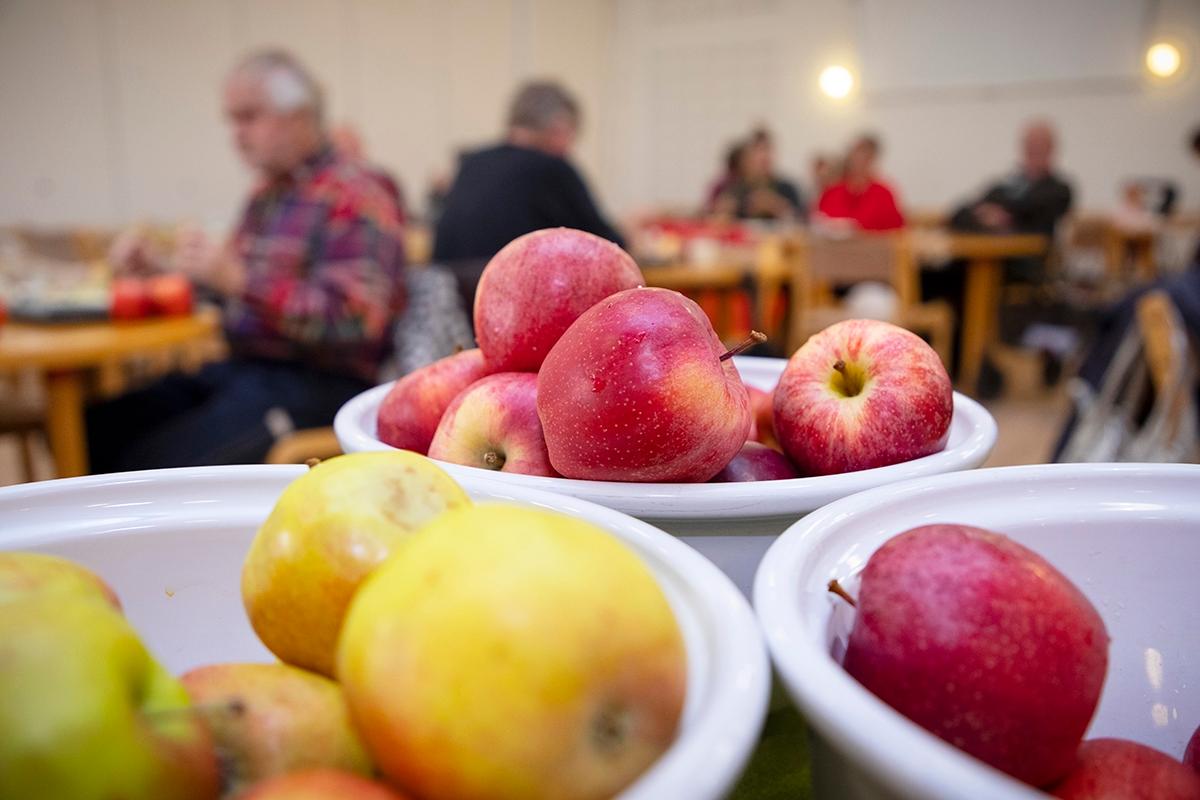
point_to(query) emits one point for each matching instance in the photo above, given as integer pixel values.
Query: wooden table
(984, 253)
(64, 353)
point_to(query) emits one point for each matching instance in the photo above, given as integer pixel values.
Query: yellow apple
(510, 652)
(25, 574)
(329, 528)
(272, 719)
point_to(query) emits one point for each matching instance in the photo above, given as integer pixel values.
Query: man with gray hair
(310, 282)
(523, 184)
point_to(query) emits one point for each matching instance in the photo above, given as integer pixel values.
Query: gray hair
(539, 103)
(289, 85)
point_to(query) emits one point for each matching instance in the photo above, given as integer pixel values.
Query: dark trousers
(228, 413)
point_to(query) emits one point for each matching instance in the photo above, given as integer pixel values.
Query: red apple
(636, 390)
(757, 462)
(533, 289)
(982, 642)
(169, 295)
(1118, 769)
(320, 784)
(493, 424)
(130, 299)
(1191, 756)
(762, 410)
(862, 394)
(411, 411)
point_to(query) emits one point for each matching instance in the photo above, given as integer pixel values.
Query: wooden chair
(821, 264)
(300, 446)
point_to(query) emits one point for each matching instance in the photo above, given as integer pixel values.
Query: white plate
(1127, 535)
(972, 436)
(171, 544)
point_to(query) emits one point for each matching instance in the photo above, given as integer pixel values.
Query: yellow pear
(510, 652)
(328, 530)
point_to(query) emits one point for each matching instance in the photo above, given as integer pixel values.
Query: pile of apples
(581, 372)
(429, 648)
(984, 643)
(158, 295)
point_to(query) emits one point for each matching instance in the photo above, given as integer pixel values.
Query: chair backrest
(824, 261)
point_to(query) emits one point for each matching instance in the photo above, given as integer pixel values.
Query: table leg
(980, 304)
(64, 423)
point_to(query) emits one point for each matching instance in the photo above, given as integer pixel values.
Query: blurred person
(347, 142)
(310, 280)
(1031, 200)
(1132, 214)
(522, 184)
(756, 191)
(733, 156)
(826, 171)
(860, 197)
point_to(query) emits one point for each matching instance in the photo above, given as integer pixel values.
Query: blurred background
(727, 142)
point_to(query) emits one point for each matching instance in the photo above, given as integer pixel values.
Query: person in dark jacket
(1030, 200)
(520, 185)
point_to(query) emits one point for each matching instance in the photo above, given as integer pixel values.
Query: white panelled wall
(109, 109)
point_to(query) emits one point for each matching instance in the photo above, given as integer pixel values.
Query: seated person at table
(755, 191)
(733, 156)
(311, 281)
(860, 197)
(1030, 200)
(520, 185)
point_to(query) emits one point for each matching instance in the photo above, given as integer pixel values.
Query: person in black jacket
(1031, 200)
(520, 185)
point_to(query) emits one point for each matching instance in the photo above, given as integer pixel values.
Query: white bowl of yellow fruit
(492, 636)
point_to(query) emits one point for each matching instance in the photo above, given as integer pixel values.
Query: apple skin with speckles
(537, 285)
(982, 642)
(410, 412)
(1119, 768)
(890, 401)
(493, 424)
(635, 391)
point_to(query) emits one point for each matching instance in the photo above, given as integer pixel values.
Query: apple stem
(837, 589)
(458, 348)
(311, 462)
(493, 460)
(755, 337)
(840, 366)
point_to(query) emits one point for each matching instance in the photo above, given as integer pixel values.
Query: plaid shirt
(324, 260)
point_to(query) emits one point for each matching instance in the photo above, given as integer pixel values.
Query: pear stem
(235, 707)
(312, 462)
(755, 337)
(837, 589)
(493, 460)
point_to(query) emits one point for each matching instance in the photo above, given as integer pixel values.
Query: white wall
(109, 108)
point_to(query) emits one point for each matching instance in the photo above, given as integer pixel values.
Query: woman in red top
(860, 196)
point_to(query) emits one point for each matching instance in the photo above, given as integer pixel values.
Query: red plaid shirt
(324, 258)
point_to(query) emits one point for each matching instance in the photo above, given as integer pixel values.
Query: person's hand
(993, 216)
(206, 262)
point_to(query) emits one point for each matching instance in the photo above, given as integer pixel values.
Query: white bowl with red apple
(173, 545)
(933, 659)
(588, 384)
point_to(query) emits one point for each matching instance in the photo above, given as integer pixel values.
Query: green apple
(86, 713)
(24, 574)
(329, 528)
(512, 652)
(271, 719)
(320, 784)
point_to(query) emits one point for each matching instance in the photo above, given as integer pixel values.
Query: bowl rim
(692, 501)
(911, 760)
(722, 737)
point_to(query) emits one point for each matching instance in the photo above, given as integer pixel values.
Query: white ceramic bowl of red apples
(1127, 536)
(171, 544)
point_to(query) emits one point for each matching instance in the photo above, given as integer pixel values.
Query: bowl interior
(971, 438)
(1127, 536)
(171, 543)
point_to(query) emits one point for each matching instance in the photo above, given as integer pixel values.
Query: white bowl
(171, 544)
(731, 523)
(1127, 535)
